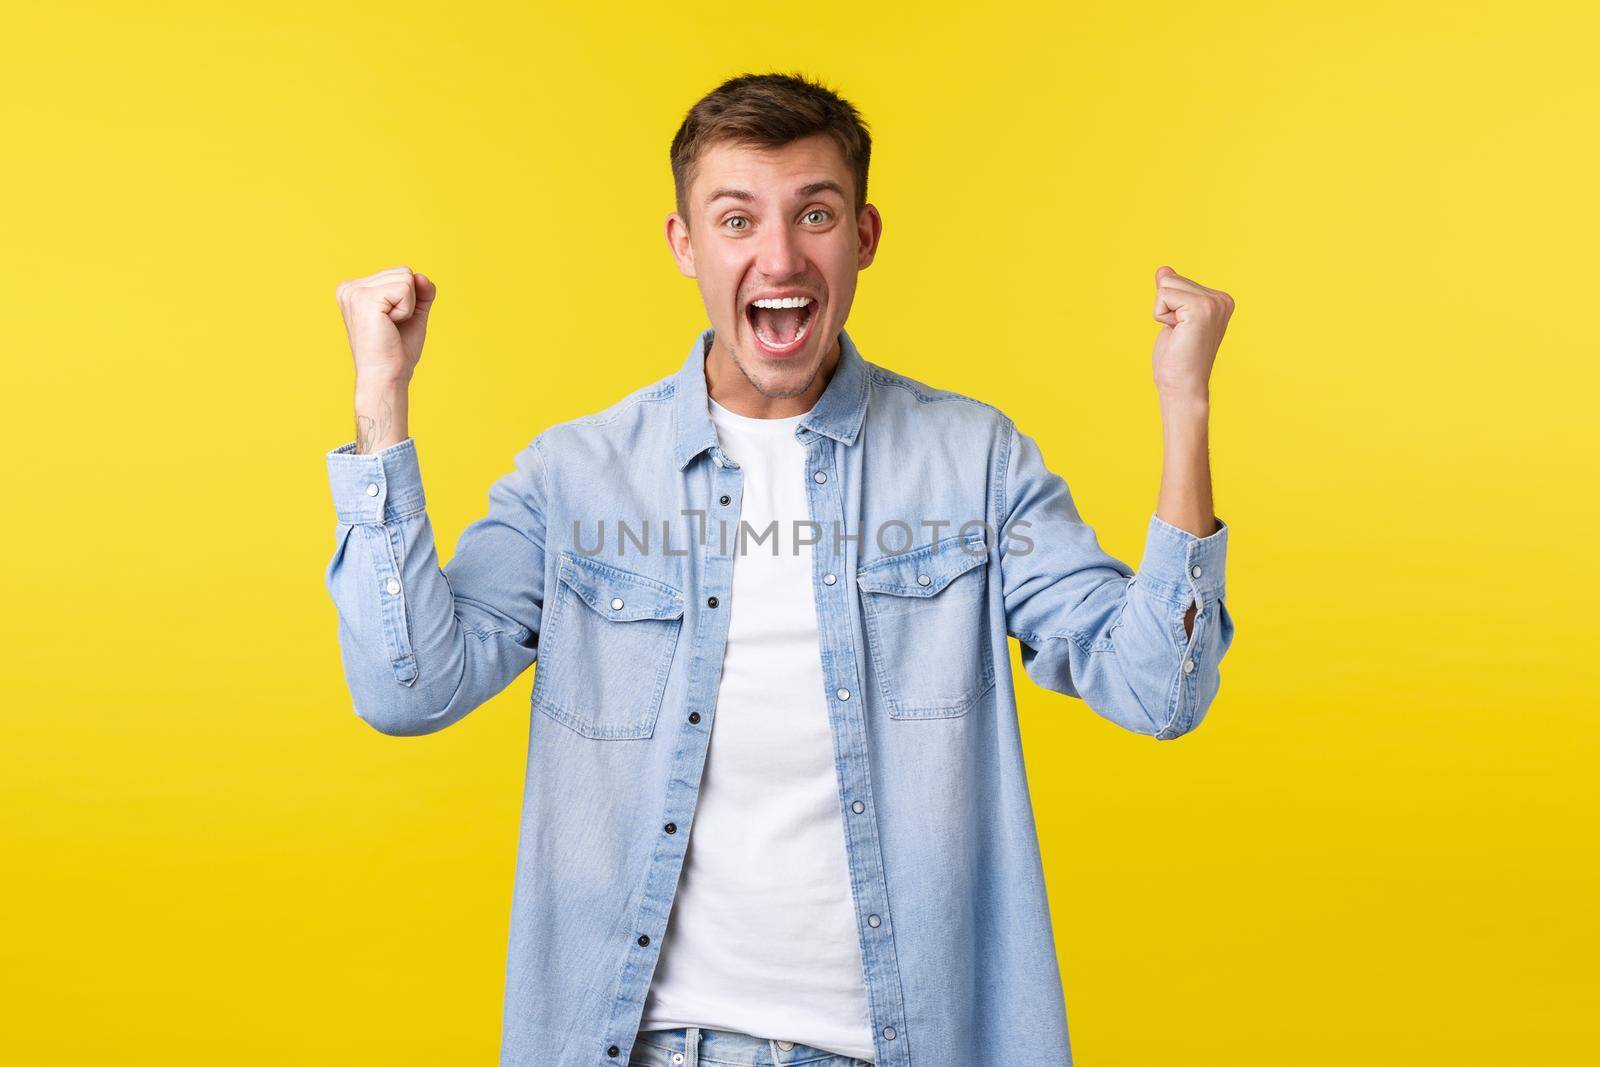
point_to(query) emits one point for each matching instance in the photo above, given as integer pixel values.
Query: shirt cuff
(1181, 567)
(381, 486)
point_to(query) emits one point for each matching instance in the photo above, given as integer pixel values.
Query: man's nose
(780, 255)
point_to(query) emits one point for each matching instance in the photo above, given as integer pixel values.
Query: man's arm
(422, 645)
(1142, 650)
(1193, 320)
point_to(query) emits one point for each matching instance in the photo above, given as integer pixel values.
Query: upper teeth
(782, 302)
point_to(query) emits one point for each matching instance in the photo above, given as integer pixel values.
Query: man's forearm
(1185, 498)
(381, 418)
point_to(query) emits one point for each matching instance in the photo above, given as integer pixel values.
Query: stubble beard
(772, 392)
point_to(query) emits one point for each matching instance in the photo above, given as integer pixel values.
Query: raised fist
(1193, 319)
(386, 317)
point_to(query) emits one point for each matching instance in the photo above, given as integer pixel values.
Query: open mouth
(781, 324)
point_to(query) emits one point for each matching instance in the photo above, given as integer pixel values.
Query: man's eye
(816, 211)
(737, 218)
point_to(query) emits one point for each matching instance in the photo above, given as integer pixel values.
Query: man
(776, 807)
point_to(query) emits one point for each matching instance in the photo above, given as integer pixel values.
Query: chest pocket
(605, 652)
(923, 612)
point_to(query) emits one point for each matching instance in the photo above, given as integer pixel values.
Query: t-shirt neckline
(786, 423)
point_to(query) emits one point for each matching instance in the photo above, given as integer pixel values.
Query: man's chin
(781, 377)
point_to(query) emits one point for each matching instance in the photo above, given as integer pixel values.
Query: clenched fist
(1193, 320)
(386, 317)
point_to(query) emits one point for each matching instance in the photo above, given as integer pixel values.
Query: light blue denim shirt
(607, 555)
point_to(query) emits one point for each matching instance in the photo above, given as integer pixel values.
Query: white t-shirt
(762, 934)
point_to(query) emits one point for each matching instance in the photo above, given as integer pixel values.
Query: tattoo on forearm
(368, 432)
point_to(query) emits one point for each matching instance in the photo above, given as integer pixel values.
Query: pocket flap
(619, 594)
(926, 570)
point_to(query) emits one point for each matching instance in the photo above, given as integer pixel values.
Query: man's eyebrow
(817, 187)
(812, 189)
(736, 194)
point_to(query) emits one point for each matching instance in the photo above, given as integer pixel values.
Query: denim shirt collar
(837, 413)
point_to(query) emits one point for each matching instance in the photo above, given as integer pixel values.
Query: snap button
(677, 1057)
(874, 921)
(1195, 571)
(786, 1045)
(616, 603)
(372, 489)
(923, 579)
(888, 1032)
(858, 807)
(828, 579)
(393, 586)
(843, 693)
(1188, 666)
(819, 477)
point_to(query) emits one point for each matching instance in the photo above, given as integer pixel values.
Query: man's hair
(768, 111)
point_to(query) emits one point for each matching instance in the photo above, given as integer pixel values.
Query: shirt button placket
(717, 557)
(842, 692)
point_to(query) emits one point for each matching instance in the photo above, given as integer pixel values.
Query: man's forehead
(746, 172)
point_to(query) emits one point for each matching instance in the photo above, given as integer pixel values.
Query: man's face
(775, 225)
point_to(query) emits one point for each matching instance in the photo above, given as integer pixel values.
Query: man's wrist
(374, 385)
(1185, 403)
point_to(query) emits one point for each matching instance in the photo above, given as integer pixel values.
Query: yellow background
(1378, 849)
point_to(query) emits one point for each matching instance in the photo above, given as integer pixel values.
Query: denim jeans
(691, 1046)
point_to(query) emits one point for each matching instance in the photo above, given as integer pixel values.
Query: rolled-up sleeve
(1090, 626)
(421, 645)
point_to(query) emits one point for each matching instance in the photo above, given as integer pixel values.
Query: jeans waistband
(730, 1048)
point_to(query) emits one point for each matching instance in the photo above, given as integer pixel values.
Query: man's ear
(869, 231)
(678, 243)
